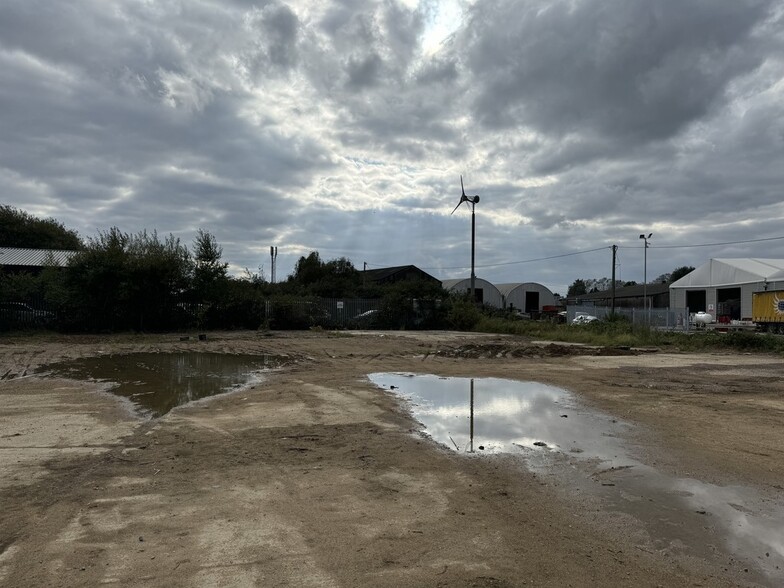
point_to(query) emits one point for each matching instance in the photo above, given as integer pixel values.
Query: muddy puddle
(157, 382)
(590, 455)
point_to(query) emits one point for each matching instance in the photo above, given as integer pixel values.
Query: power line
(517, 262)
(707, 244)
(598, 249)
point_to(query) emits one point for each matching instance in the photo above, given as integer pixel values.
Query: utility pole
(274, 258)
(645, 276)
(614, 252)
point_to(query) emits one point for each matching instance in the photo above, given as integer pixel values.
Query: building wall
(516, 296)
(492, 296)
(678, 295)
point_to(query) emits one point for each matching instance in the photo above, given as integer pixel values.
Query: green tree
(337, 278)
(679, 272)
(21, 229)
(578, 288)
(122, 281)
(157, 274)
(210, 275)
(308, 270)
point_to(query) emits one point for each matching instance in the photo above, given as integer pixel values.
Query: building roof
(384, 273)
(728, 272)
(12, 256)
(635, 291)
(449, 284)
(507, 289)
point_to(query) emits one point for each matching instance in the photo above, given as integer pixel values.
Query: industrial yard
(312, 475)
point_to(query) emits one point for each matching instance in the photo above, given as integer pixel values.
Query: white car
(584, 319)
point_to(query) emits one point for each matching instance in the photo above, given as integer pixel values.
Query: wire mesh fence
(663, 318)
(299, 313)
(29, 314)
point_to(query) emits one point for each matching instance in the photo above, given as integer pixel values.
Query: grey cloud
(594, 120)
(635, 71)
(364, 72)
(439, 70)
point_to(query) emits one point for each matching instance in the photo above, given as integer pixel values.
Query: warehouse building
(526, 296)
(484, 291)
(724, 287)
(16, 260)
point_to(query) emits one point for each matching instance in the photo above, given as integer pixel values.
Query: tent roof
(728, 272)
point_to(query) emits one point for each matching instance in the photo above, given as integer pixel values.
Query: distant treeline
(118, 281)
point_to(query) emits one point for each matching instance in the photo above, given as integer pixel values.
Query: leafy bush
(464, 315)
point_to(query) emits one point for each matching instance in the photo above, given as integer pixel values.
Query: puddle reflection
(554, 432)
(157, 382)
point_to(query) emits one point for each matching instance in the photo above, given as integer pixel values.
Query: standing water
(549, 428)
(157, 382)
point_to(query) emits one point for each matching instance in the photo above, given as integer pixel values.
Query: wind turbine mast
(472, 200)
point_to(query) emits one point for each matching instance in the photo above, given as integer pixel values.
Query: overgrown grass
(622, 333)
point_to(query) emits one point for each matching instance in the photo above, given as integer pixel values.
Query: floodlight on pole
(645, 273)
(472, 200)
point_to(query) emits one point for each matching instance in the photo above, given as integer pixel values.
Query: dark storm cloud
(634, 70)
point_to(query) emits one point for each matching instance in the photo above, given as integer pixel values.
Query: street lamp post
(645, 274)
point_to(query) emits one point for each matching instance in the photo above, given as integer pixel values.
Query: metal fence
(676, 319)
(351, 313)
(284, 312)
(321, 312)
(31, 314)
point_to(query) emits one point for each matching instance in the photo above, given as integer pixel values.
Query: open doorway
(727, 304)
(696, 300)
(531, 302)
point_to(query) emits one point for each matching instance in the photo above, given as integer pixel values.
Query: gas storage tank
(767, 310)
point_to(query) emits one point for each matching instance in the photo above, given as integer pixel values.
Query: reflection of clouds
(496, 407)
(739, 512)
(509, 415)
(506, 412)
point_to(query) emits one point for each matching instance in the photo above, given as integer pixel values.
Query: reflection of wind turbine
(471, 435)
(472, 200)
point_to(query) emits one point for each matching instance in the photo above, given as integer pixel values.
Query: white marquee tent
(725, 286)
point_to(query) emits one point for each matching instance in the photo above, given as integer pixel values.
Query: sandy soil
(317, 478)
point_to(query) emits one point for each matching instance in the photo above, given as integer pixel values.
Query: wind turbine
(471, 200)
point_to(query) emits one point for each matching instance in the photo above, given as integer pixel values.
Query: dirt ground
(317, 478)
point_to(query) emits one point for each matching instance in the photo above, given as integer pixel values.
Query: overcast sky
(344, 126)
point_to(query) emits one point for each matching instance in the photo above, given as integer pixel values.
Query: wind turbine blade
(461, 185)
(456, 207)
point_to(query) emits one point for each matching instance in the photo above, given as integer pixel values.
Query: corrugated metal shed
(10, 256)
(490, 294)
(525, 295)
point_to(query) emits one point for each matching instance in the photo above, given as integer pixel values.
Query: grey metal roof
(34, 257)
(507, 289)
(635, 291)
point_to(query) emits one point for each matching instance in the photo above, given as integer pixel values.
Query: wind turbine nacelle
(476, 199)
